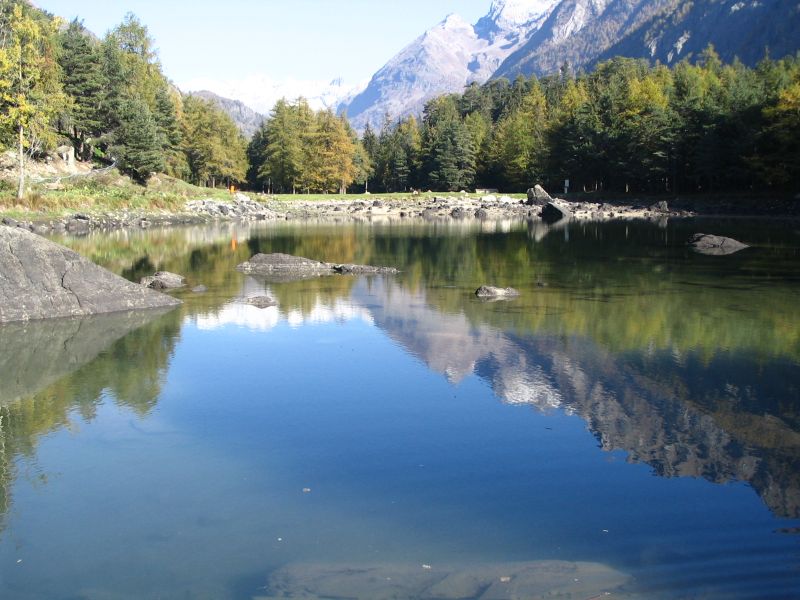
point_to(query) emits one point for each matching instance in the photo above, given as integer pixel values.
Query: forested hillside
(625, 127)
(108, 98)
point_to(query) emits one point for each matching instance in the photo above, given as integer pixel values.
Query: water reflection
(50, 369)
(669, 357)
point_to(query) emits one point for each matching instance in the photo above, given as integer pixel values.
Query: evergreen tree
(448, 146)
(139, 151)
(84, 83)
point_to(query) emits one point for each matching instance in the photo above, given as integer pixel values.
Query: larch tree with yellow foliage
(30, 89)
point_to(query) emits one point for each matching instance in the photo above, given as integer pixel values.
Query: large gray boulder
(537, 196)
(40, 280)
(715, 245)
(285, 267)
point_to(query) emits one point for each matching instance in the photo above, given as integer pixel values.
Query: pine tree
(84, 84)
(139, 150)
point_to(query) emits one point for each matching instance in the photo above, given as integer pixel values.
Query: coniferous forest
(699, 126)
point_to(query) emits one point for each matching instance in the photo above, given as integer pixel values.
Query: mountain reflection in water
(690, 365)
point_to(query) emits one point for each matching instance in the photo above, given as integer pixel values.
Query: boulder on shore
(285, 267)
(553, 213)
(715, 245)
(489, 291)
(537, 196)
(41, 280)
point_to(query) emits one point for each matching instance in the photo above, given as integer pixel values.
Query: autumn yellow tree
(30, 90)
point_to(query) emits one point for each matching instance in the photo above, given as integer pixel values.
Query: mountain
(445, 58)
(537, 37)
(736, 28)
(577, 32)
(246, 119)
(261, 92)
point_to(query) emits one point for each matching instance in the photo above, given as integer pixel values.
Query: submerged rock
(163, 280)
(511, 581)
(715, 245)
(488, 291)
(553, 213)
(40, 280)
(286, 267)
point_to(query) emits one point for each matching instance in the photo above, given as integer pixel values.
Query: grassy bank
(108, 192)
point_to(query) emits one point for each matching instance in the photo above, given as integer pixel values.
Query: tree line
(627, 126)
(109, 99)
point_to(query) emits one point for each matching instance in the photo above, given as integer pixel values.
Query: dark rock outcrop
(488, 291)
(715, 245)
(40, 280)
(553, 213)
(537, 196)
(285, 267)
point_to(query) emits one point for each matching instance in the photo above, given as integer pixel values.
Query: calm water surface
(638, 408)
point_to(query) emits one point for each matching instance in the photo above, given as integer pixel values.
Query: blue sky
(281, 39)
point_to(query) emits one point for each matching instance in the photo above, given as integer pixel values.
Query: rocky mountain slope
(537, 37)
(577, 32)
(737, 28)
(445, 59)
(246, 119)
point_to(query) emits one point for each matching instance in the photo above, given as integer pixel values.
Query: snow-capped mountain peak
(515, 13)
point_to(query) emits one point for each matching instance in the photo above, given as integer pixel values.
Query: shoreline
(243, 208)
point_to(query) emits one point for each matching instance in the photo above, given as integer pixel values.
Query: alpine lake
(629, 427)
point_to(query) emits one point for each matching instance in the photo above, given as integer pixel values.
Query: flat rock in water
(164, 280)
(489, 291)
(512, 581)
(286, 267)
(41, 280)
(363, 270)
(715, 245)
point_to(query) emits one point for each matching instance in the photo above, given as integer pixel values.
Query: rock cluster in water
(489, 291)
(286, 267)
(40, 279)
